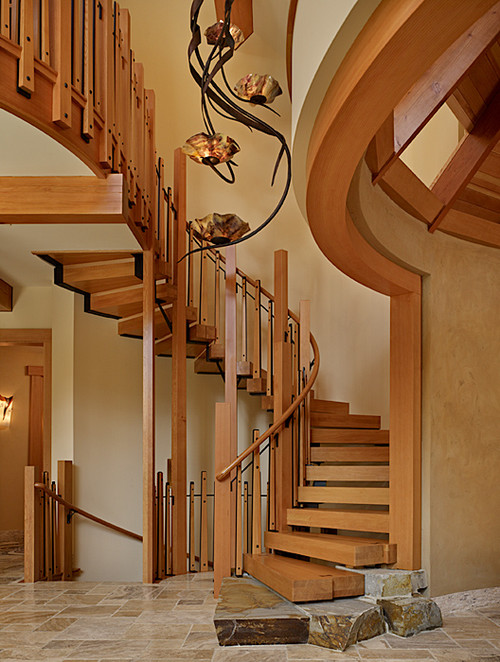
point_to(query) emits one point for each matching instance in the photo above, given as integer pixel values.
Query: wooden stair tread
(354, 552)
(132, 325)
(99, 277)
(356, 495)
(348, 436)
(201, 333)
(84, 257)
(203, 366)
(125, 302)
(350, 454)
(325, 420)
(375, 521)
(347, 473)
(303, 581)
(329, 407)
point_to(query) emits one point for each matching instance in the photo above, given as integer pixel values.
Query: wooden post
(239, 534)
(61, 103)
(179, 439)
(256, 501)
(282, 389)
(192, 555)
(32, 513)
(161, 526)
(222, 517)
(405, 446)
(304, 366)
(65, 490)
(203, 524)
(148, 419)
(35, 430)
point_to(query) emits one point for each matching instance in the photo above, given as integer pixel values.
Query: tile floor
(89, 622)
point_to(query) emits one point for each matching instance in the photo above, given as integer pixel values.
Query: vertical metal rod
(245, 518)
(192, 560)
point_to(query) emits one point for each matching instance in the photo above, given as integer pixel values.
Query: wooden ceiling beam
(241, 14)
(428, 94)
(471, 153)
(5, 296)
(63, 200)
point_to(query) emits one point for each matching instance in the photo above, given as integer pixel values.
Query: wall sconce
(5, 411)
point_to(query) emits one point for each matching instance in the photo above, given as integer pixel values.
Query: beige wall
(461, 387)
(14, 439)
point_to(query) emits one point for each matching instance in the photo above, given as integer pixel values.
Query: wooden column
(222, 517)
(405, 442)
(230, 381)
(65, 490)
(179, 438)
(148, 419)
(282, 389)
(32, 516)
(35, 430)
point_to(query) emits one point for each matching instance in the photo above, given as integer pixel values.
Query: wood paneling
(5, 296)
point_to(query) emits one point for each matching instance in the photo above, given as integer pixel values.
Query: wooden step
(322, 420)
(349, 436)
(257, 385)
(347, 473)
(132, 326)
(202, 333)
(83, 257)
(329, 407)
(350, 454)
(102, 276)
(354, 552)
(267, 403)
(357, 495)
(303, 581)
(125, 302)
(375, 521)
(203, 366)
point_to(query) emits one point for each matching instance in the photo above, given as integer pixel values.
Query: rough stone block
(342, 623)
(407, 616)
(387, 583)
(249, 613)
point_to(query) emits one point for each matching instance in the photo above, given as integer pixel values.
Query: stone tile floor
(90, 622)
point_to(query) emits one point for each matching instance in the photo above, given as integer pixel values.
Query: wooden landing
(302, 581)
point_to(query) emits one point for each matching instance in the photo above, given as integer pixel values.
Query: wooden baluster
(304, 367)
(203, 286)
(88, 69)
(126, 89)
(244, 321)
(45, 31)
(77, 44)
(192, 557)
(256, 333)
(140, 118)
(268, 501)
(162, 219)
(296, 418)
(149, 158)
(223, 548)
(217, 312)
(106, 59)
(269, 377)
(203, 524)
(47, 538)
(32, 530)
(239, 559)
(161, 526)
(190, 283)
(272, 484)
(245, 517)
(5, 20)
(256, 501)
(14, 20)
(168, 529)
(26, 77)
(54, 541)
(65, 485)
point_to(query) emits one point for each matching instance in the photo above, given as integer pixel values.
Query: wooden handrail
(281, 421)
(84, 513)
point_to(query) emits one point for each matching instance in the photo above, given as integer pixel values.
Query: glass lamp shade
(210, 150)
(258, 88)
(5, 411)
(220, 228)
(213, 33)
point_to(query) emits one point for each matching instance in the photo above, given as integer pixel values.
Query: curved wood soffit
(395, 48)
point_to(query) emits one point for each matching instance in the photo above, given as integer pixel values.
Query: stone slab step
(346, 550)
(345, 435)
(375, 521)
(249, 613)
(324, 420)
(302, 581)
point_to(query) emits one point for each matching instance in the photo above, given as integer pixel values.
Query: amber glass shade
(210, 150)
(213, 33)
(5, 411)
(258, 88)
(220, 228)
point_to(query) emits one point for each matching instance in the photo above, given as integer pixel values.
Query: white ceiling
(27, 151)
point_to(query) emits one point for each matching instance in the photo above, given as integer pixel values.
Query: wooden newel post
(304, 366)
(65, 490)
(32, 525)
(282, 390)
(223, 543)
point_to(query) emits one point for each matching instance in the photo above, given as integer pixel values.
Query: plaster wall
(461, 390)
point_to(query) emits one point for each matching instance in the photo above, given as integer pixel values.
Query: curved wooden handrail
(281, 421)
(84, 513)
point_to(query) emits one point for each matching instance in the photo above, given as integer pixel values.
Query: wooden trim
(292, 12)
(462, 225)
(222, 516)
(148, 419)
(179, 408)
(5, 296)
(32, 540)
